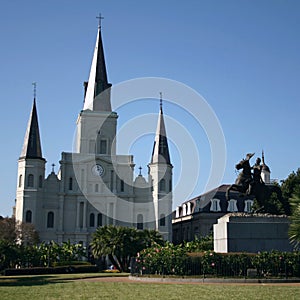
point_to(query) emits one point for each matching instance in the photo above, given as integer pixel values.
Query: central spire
(97, 96)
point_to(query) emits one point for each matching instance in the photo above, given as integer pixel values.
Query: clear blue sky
(241, 56)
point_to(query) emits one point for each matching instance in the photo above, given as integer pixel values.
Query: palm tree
(294, 230)
(122, 243)
(149, 237)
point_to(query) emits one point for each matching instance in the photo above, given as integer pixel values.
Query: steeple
(160, 153)
(32, 143)
(264, 166)
(265, 171)
(97, 95)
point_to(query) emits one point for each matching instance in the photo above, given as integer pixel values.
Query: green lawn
(63, 287)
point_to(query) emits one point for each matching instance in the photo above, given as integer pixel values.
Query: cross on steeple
(140, 168)
(34, 89)
(99, 18)
(160, 101)
(53, 165)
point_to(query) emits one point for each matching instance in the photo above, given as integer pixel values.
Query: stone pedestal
(239, 232)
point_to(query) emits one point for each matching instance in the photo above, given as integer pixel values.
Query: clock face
(98, 170)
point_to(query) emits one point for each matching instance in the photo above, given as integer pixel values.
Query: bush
(52, 270)
(175, 260)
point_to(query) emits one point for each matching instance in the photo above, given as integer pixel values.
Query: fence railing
(225, 267)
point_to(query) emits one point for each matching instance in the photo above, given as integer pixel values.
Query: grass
(65, 287)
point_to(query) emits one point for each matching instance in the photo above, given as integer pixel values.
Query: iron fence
(227, 266)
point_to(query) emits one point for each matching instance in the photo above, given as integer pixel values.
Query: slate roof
(32, 142)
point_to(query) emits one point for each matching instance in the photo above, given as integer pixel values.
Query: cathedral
(94, 186)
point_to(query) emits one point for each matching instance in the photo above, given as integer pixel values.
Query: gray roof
(32, 142)
(160, 153)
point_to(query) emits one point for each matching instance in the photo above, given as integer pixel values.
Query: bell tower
(160, 178)
(31, 174)
(96, 124)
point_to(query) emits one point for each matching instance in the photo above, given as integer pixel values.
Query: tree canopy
(122, 243)
(294, 230)
(12, 231)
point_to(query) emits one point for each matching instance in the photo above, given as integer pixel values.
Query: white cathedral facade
(94, 186)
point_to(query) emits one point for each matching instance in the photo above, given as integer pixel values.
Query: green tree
(200, 244)
(271, 205)
(13, 231)
(8, 230)
(289, 185)
(149, 237)
(121, 243)
(294, 230)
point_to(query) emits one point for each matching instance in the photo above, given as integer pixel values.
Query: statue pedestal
(252, 233)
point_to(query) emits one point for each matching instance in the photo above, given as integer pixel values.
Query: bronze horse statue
(244, 178)
(260, 191)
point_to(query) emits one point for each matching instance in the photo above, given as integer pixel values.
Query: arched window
(81, 210)
(162, 185)
(96, 188)
(122, 185)
(170, 185)
(28, 216)
(103, 146)
(92, 220)
(140, 224)
(20, 180)
(30, 180)
(50, 219)
(70, 184)
(162, 220)
(40, 181)
(99, 220)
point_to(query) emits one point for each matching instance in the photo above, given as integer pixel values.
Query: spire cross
(160, 104)
(99, 18)
(140, 168)
(53, 165)
(34, 89)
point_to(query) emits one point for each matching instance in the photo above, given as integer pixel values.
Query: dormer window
(232, 206)
(248, 206)
(215, 205)
(184, 210)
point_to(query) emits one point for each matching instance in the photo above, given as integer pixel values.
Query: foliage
(161, 260)
(294, 230)
(42, 255)
(200, 244)
(272, 205)
(122, 243)
(13, 231)
(51, 270)
(175, 260)
(288, 186)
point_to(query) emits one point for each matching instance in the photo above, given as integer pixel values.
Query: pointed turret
(97, 95)
(160, 153)
(32, 143)
(265, 171)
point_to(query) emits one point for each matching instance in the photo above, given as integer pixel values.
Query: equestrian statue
(249, 182)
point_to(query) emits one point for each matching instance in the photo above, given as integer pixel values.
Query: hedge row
(173, 260)
(52, 270)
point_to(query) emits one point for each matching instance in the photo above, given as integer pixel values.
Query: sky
(241, 56)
